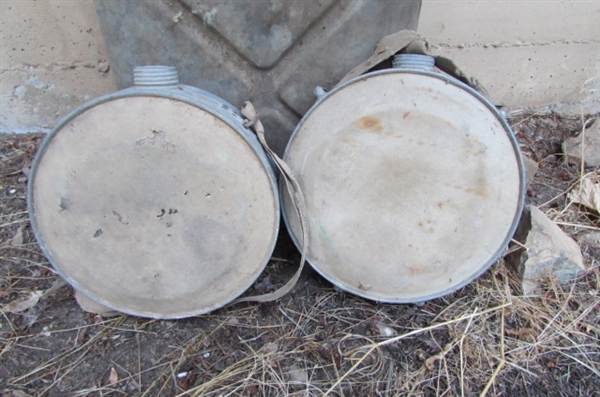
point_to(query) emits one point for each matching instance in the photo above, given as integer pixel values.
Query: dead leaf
(430, 362)
(22, 304)
(587, 193)
(297, 375)
(30, 317)
(269, 348)
(113, 378)
(18, 237)
(56, 285)
(16, 393)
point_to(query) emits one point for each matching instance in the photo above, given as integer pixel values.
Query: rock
(590, 238)
(550, 254)
(91, 306)
(591, 149)
(531, 168)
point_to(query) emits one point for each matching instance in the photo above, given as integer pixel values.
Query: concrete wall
(52, 59)
(527, 53)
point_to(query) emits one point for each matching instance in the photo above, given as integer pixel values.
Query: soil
(484, 339)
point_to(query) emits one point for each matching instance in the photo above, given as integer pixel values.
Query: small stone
(385, 330)
(103, 66)
(590, 238)
(550, 254)
(591, 147)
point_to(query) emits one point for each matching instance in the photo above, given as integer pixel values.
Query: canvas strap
(411, 42)
(295, 194)
(404, 41)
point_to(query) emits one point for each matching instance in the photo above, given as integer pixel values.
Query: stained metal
(413, 181)
(155, 200)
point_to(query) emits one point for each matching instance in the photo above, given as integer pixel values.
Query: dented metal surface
(272, 52)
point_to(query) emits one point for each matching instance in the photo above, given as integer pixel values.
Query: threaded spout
(414, 62)
(155, 76)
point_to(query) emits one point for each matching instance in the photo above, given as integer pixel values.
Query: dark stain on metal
(478, 192)
(172, 211)
(98, 233)
(427, 227)
(369, 123)
(120, 218)
(158, 139)
(64, 204)
(162, 213)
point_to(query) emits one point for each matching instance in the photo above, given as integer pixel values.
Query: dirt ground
(484, 339)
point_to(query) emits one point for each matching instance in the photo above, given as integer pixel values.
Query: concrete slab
(52, 59)
(536, 54)
(533, 76)
(508, 21)
(33, 99)
(59, 42)
(49, 32)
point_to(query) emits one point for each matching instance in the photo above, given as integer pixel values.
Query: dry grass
(483, 340)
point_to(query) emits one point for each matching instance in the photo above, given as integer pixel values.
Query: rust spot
(369, 123)
(406, 115)
(348, 141)
(443, 204)
(416, 270)
(478, 192)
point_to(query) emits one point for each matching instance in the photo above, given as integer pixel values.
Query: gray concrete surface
(538, 54)
(52, 59)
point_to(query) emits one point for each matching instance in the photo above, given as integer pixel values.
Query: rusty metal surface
(413, 183)
(272, 52)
